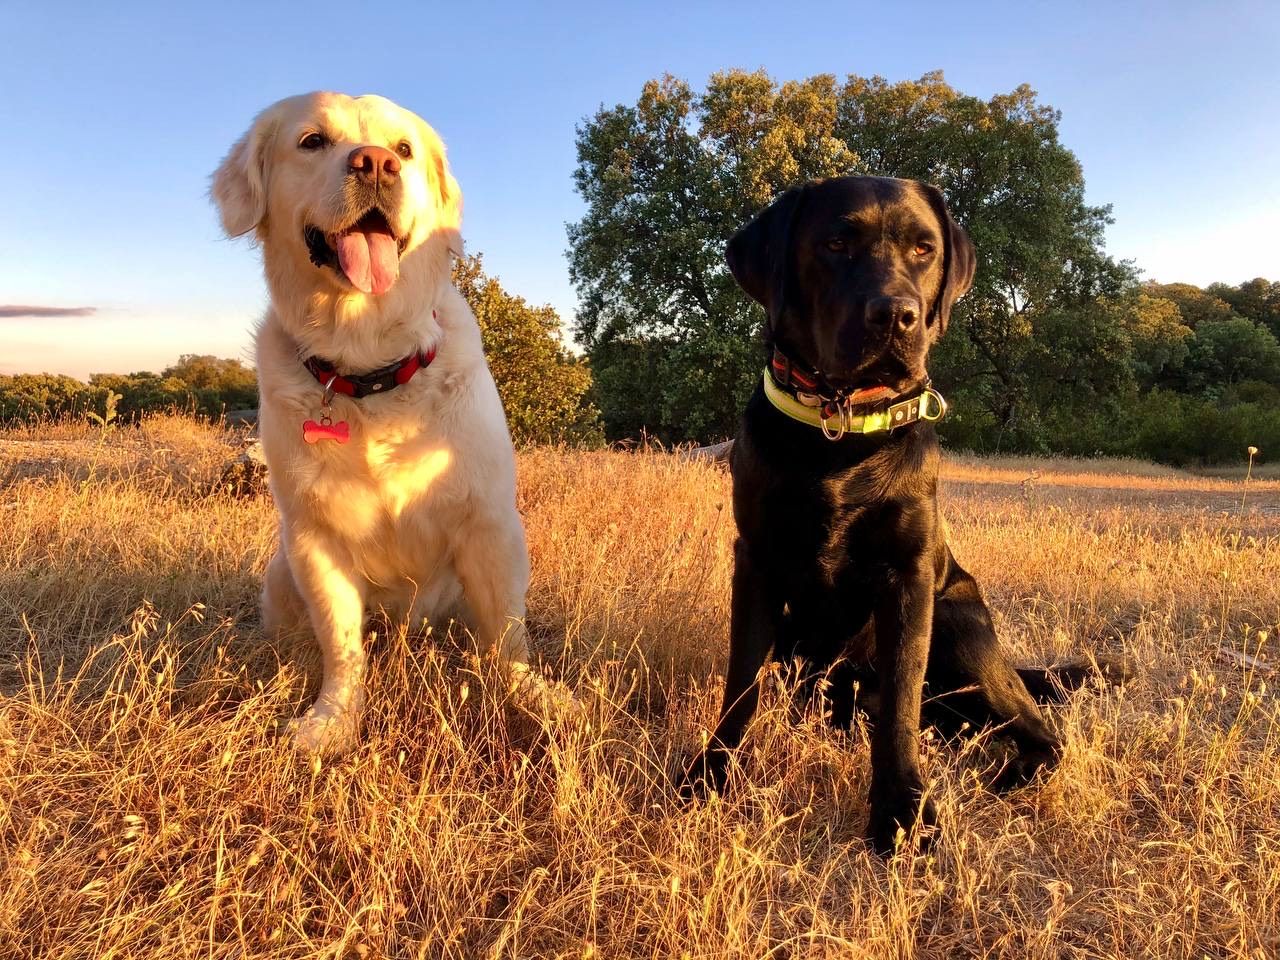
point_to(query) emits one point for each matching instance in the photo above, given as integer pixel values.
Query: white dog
(385, 440)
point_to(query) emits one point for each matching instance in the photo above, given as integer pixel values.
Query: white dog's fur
(416, 514)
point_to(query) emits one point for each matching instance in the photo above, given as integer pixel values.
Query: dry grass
(146, 809)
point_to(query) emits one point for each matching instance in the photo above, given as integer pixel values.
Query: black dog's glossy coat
(841, 562)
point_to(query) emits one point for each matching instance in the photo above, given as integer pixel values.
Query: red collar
(797, 379)
(383, 380)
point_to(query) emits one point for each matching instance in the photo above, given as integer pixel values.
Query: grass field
(148, 810)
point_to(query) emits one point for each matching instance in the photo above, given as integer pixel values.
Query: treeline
(1193, 377)
(543, 386)
(199, 385)
(1059, 348)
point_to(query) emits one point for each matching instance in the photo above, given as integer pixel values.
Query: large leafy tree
(669, 179)
(543, 387)
(1229, 352)
(1158, 338)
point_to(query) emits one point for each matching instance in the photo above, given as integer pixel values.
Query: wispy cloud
(13, 310)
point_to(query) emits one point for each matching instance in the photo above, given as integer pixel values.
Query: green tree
(1195, 305)
(1180, 429)
(43, 396)
(1231, 351)
(38, 396)
(217, 384)
(1256, 299)
(1157, 336)
(146, 392)
(543, 387)
(668, 180)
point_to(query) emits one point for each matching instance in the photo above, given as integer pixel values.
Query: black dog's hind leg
(851, 683)
(970, 681)
(754, 624)
(1052, 684)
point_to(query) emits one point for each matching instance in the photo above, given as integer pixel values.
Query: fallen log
(246, 475)
(715, 453)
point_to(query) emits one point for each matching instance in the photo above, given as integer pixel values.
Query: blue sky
(114, 115)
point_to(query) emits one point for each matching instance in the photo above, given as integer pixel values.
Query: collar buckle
(840, 417)
(328, 390)
(934, 398)
(928, 405)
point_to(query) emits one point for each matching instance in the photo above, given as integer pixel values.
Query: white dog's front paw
(326, 730)
(532, 689)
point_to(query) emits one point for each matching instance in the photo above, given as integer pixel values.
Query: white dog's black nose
(374, 164)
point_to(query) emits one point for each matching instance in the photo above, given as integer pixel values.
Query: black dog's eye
(404, 149)
(313, 141)
(836, 244)
(923, 249)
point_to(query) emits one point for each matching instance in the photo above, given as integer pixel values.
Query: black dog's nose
(371, 164)
(899, 312)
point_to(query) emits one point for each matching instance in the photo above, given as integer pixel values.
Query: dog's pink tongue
(370, 259)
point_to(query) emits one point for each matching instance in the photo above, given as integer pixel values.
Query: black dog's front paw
(708, 773)
(1021, 769)
(896, 807)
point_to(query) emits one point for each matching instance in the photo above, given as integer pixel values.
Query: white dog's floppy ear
(240, 183)
(449, 195)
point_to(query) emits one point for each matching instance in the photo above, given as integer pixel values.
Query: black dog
(842, 562)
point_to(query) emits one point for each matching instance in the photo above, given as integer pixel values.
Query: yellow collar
(926, 405)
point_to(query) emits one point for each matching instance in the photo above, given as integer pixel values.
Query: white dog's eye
(404, 149)
(313, 141)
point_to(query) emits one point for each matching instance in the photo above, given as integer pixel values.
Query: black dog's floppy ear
(756, 254)
(958, 264)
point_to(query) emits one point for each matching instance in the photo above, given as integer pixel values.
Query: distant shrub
(200, 385)
(28, 397)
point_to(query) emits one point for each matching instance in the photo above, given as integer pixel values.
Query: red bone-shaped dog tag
(313, 432)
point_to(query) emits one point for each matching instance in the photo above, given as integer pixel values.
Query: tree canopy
(1257, 300)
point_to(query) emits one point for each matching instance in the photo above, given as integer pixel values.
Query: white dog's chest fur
(392, 494)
